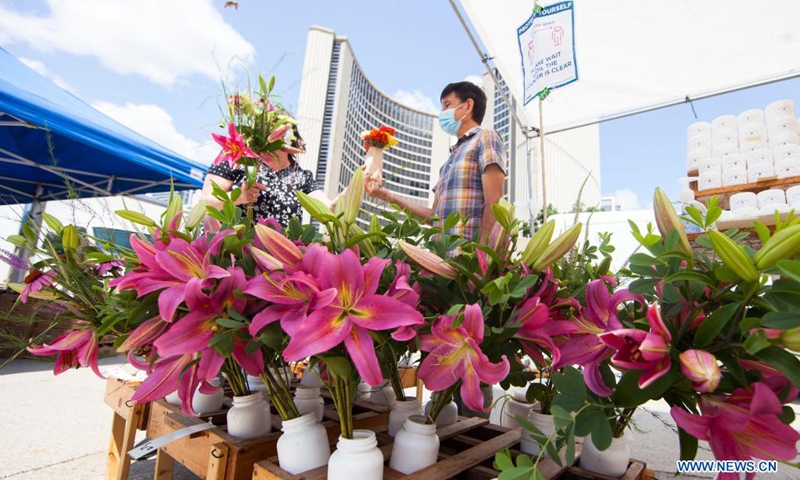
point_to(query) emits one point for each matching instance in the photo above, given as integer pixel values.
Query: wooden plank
(164, 466)
(218, 462)
(128, 439)
(115, 449)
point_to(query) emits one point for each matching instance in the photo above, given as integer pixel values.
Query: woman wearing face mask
(274, 193)
(471, 180)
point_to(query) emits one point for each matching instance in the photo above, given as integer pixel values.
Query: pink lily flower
(279, 133)
(455, 354)
(35, 282)
(292, 297)
(351, 315)
(401, 290)
(279, 246)
(702, 369)
(193, 332)
(143, 336)
(233, 147)
(776, 381)
(111, 266)
(742, 426)
(640, 350)
(598, 317)
(76, 348)
(539, 326)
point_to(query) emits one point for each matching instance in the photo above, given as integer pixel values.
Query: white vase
(416, 446)
(401, 411)
(303, 445)
(249, 416)
(285, 373)
(612, 462)
(511, 409)
(374, 163)
(173, 399)
(206, 403)
(364, 391)
(356, 459)
(448, 415)
(256, 385)
(308, 400)
(545, 424)
(311, 377)
(384, 396)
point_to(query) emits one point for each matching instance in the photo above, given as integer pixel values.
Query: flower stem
(236, 378)
(440, 400)
(622, 421)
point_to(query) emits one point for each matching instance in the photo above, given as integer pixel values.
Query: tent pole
(541, 152)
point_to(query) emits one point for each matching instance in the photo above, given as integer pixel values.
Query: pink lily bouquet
(257, 127)
(72, 271)
(710, 331)
(487, 306)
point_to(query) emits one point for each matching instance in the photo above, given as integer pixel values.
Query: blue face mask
(448, 122)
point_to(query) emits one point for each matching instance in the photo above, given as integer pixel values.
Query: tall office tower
(570, 158)
(337, 102)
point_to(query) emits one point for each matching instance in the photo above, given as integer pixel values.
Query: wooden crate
(213, 454)
(483, 442)
(128, 418)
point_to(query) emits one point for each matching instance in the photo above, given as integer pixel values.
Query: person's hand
(250, 195)
(375, 189)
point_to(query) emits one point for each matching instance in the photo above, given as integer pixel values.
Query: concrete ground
(59, 427)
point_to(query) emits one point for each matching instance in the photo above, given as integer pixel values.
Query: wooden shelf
(725, 192)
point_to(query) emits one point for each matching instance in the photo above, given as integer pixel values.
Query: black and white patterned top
(278, 200)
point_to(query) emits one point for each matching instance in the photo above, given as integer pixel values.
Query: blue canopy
(49, 138)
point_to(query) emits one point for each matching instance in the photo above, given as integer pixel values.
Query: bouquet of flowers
(257, 127)
(375, 141)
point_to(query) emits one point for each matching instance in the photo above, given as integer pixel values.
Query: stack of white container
(739, 150)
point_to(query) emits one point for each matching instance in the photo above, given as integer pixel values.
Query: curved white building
(337, 102)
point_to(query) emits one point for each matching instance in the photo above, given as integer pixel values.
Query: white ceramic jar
(612, 462)
(303, 445)
(249, 416)
(401, 411)
(415, 447)
(308, 400)
(545, 424)
(356, 458)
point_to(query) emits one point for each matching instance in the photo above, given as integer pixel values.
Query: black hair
(465, 91)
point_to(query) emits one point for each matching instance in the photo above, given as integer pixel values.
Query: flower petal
(188, 335)
(379, 312)
(322, 330)
(362, 351)
(695, 425)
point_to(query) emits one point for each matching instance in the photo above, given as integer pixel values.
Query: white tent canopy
(633, 55)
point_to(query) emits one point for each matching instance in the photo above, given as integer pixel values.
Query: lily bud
(668, 221)
(784, 244)
(265, 260)
(733, 256)
(351, 202)
(702, 369)
(280, 247)
(538, 243)
(314, 207)
(558, 248)
(197, 214)
(69, 238)
(279, 132)
(429, 261)
(791, 339)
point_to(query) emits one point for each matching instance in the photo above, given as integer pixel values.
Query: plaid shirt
(460, 186)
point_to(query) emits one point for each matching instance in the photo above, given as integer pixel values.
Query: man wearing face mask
(471, 180)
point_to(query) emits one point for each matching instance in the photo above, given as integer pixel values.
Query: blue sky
(155, 65)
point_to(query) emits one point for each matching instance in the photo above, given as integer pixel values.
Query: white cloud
(627, 199)
(162, 40)
(156, 124)
(476, 79)
(415, 99)
(41, 69)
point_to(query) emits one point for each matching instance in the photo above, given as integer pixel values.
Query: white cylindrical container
(356, 459)
(511, 409)
(401, 411)
(303, 445)
(781, 108)
(311, 377)
(416, 446)
(612, 462)
(545, 424)
(724, 122)
(364, 391)
(308, 400)
(384, 396)
(727, 135)
(698, 143)
(750, 116)
(205, 403)
(249, 416)
(698, 129)
(448, 415)
(173, 399)
(256, 385)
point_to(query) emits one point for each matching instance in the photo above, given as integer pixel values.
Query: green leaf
(451, 220)
(223, 343)
(712, 215)
(756, 343)
(522, 287)
(263, 85)
(695, 215)
(271, 84)
(689, 277)
(338, 366)
(539, 436)
(688, 444)
(781, 320)
(228, 323)
(356, 239)
(628, 393)
(644, 286)
(561, 417)
(601, 434)
(27, 230)
(570, 382)
(502, 216)
(584, 422)
(454, 309)
(714, 323)
(502, 460)
(516, 473)
(763, 232)
(569, 454)
(642, 259)
(782, 361)
(271, 338)
(136, 217)
(788, 415)
(790, 268)
(17, 240)
(726, 274)
(52, 222)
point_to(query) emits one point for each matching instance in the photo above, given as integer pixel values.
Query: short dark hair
(465, 91)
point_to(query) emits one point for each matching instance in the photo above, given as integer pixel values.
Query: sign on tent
(547, 49)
